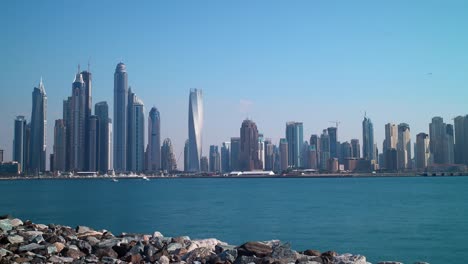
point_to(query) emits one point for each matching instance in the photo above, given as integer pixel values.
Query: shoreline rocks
(26, 242)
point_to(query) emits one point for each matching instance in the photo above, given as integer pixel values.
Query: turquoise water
(405, 219)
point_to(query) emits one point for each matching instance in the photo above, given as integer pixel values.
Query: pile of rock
(26, 242)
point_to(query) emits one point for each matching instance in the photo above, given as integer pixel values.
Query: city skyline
(290, 67)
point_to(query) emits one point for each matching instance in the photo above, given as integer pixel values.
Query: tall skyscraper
(101, 110)
(404, 147)
(235, 153)
(168, 161)
(437, 132)
(136, 155)
(215, 159)
(154, 140)
(249, 146)
(269, 155)
(87, 105)
(120, 117)
(19, 142)
(38, 129)
(356, 148)
(60, 145)
(261, 150)
(204, 166)
(368, 139)
(284, 154)
(346, 151)
(93, 143)
(449, 144)
(422, 151)
(333, 134)
(390, 144)
(325, 150)
(67, 119)
(195, 128)
(295, 138)
(315, 145)
(226, 157)
(78, 130)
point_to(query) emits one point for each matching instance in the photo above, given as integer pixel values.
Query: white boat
(114, 180)
(145, 178)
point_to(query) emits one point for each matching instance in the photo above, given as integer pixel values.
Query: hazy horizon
(307, 61)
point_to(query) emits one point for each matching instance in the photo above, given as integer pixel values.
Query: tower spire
(78, 68)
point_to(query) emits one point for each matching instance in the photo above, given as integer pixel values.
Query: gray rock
(284, 252)
(389, 262)
(173, 247)
(6, 225)
(247, 260)
(257, 249)
(108, 243)
(83, 229)
(16, 222)
(85, 247)
(163, 260)
(51, 249)
(137, 249)
(31, 247)
(91, 259)
(221, 248)
(4, 252)
(349, 259)
(15, 239)
(228, 255)
(37, 239)
(92, 241)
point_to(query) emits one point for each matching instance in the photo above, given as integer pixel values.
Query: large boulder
(197, 254)
(257, 249)
(15, 239)
(349, 259)
(312, 252)
(73, 253)
(6, 225)
(31, 247)
(16, 222)
(247, 260)
(106, 252)
(210, 243)
(173, 247)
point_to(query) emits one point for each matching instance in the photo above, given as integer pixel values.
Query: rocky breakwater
(26, 242)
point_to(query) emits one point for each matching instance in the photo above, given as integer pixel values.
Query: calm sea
(404, 219)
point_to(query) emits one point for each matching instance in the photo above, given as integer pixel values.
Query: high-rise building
(356, 148)
(168, 161)
(295, 138)
(390, 142)
(315, 145)
(101, 110)
(346, 151)
(195, 128)
(154, 140)
(437, 130)
(38, 130)
(87, 105)
(215, 159)
(235, 153)
(78, 123)
(27, 148)
(249, 147)
(404, 147)
(186, 156)
(422, 151)
(19, 143)
(449, 144)
(60, 145)
(269, 155)
(67, 119)
(204, 166)
(226, 157)
(136, 155)
(368, 147)
(284, 154)
(261, 150)
(1, 155)
(461, 139)
(333, 134)
(93, 142)
(120, 117)
(324, 150)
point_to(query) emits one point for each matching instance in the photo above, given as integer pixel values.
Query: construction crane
(336, 122)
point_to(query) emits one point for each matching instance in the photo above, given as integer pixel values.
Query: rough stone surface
(257, 249)
(349, 259)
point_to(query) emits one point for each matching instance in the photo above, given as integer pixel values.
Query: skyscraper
(284, 154)
(67, 119)
(215, 159)
(19, 143)
(249, 146)
(226, 157)
(195, 127)
(136, 155)
(261, 150)
(404, 147)
(60, 145)
(78, 123)
(333, 134)
(154, 140)
(422, 151)
(120, 117)
(235, 153)
(87, 105)
(356, 148)
(93, 143)
(461, 139)
(449, 145)
(168, 161)
(186, 156)
(295, 138)
(368, 139)
(346, 151)
(38, 129)
(437, 132)
(324, 150)
(269, 155)
(390, 144)
(204, 166)
(315, 146)
(101, 110)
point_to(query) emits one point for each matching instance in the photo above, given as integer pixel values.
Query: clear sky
(273, 61)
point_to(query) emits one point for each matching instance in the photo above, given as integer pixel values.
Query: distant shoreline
(308, 176)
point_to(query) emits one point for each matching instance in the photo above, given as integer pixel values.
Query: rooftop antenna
(78, 68)
(89, 64)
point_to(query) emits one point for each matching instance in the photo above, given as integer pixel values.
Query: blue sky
(273, 61)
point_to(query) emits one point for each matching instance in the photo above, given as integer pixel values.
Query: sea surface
(405, 219)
